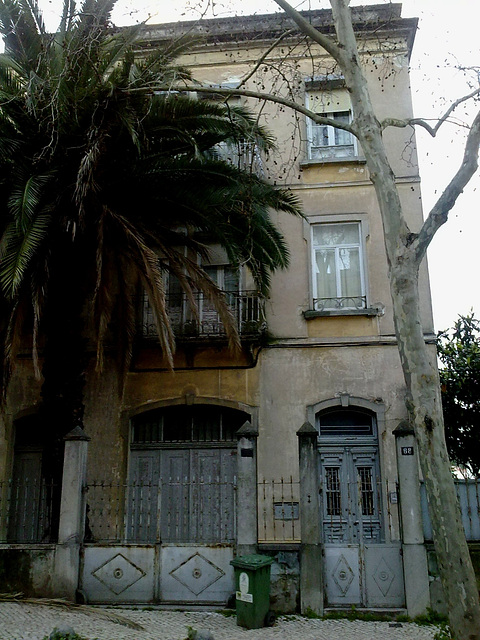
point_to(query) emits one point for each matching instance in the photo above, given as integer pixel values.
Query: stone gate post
(415, 566)
(311, 559)
(72, 514)
(247, 490)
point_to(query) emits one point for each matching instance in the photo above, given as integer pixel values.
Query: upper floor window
(324, 141)
(338, 267)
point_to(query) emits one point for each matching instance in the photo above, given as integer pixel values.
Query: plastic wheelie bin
(252, 586)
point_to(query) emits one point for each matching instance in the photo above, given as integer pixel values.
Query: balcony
(247, 309)
(244, 155)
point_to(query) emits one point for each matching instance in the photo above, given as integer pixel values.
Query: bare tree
(405, 251)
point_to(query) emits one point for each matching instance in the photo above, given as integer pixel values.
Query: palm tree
(102, 190)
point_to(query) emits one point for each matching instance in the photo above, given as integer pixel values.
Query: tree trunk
(64, 366)
(425, 408)
(418, 363)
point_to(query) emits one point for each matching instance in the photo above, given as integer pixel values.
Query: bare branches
(421, 122)
(439, 214)
(259, 95)
(262, 59)
(305, 27)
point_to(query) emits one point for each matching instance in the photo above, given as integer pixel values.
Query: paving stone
(21, 621)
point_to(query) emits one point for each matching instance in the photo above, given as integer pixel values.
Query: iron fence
(168, 510)
(27, 511)
(279, 510)
(200, 511)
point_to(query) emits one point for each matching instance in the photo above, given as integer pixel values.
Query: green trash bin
(252, 586)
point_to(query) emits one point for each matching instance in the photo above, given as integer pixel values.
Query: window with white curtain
(338, 268)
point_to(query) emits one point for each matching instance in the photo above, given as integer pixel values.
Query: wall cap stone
(247, 430)
(404, 429)
(307, 430)
(77, 434)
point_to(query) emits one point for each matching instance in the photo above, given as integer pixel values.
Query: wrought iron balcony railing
(345, 302)
(247, 308)
(245, 156)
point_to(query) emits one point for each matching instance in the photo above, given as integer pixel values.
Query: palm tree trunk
(65, 359)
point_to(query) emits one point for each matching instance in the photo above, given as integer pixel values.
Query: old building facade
(186, 468)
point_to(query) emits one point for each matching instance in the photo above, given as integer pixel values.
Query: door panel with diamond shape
(384, 575)
(121, 574)
(342, 574)
(196, 574)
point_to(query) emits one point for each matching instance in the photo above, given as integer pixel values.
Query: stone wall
(28, 571)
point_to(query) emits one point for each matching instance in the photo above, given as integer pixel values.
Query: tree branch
(393, 122)
(262, 58)
(439, 213)
(305, 27)
(260, 95)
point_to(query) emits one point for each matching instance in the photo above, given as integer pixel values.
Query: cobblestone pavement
(24, 621)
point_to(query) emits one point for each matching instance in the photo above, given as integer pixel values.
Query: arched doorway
(350, 476)
(182, 481)
(363, 567)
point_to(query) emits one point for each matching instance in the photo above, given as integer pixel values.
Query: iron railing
(27, 511)
(279, 511)
(247, 309)
(167, 510)
(343, 302)
(244, 155)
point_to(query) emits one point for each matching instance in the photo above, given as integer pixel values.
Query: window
(326, 141)
(206, 319)
(335, 423)
(329, 142)
(338, 273)
(187, 424)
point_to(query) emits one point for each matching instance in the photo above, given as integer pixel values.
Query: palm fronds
(107, 188)
(95, 612)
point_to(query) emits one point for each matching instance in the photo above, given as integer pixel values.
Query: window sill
(369, 311)
(318, 162)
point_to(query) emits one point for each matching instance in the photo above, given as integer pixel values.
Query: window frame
(314, 247)
(328, 152)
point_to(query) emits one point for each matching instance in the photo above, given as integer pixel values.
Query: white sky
(447, 36)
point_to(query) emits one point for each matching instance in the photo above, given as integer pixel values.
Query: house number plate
(407, 451)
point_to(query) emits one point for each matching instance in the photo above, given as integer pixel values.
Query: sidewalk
(25, 621)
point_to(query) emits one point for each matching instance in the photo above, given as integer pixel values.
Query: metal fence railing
(279, 510)
(167, 510)
(187, 511)
(27, 511)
